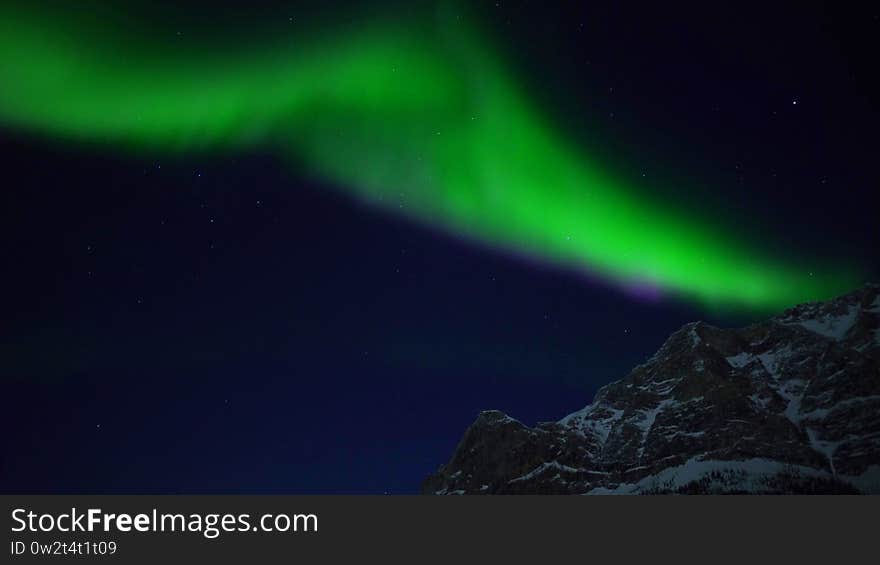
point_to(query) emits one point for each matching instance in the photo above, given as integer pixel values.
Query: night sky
(236, 320)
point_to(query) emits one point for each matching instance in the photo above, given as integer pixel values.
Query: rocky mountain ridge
(788, 405)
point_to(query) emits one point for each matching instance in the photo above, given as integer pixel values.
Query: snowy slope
(787, 405)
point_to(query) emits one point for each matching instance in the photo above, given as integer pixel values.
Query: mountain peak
(791, 404)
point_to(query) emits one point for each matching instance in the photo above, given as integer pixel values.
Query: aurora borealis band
(409, 116)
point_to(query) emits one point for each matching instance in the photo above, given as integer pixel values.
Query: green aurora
(413, 117)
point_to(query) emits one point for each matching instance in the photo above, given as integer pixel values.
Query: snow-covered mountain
(789, 405)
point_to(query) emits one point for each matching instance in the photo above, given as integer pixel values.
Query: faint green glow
(419, 120)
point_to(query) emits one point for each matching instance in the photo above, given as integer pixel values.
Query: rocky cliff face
(789, 405)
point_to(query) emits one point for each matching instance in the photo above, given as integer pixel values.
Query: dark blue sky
(225, 324)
